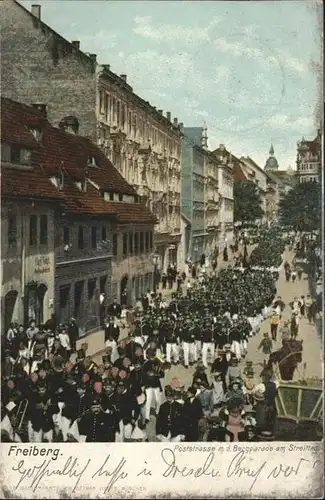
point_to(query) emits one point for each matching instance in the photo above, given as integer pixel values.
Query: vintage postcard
(162, 249)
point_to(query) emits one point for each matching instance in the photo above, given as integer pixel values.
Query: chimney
(169, 116)
(160, 111)
(222, 147)
(36, 11)
(93, 57)
(124, 77)
(181, 126)
(106, 67)
(175, 122)
(76, 44)
(70, 124)
(41, 108)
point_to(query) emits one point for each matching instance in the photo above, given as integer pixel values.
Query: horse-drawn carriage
(300, 409)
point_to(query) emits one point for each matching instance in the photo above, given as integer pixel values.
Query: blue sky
(245, 68)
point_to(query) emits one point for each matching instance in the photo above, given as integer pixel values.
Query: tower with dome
(271, 162)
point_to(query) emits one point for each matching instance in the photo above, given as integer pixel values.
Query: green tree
(247, 202)
(300, 208)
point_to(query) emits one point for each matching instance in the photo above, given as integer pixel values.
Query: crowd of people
(53, 392)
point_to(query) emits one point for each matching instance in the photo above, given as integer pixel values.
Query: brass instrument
(19, 417)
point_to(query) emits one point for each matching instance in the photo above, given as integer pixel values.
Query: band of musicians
(53, 392)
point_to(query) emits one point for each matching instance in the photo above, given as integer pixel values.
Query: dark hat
(235, 381)
(169, 391)
(58, 364)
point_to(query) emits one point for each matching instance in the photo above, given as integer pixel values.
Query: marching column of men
(65, 396)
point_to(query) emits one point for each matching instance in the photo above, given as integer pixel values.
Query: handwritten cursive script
(71, 469)
(116, 474)
(238, 467)
(169, 458)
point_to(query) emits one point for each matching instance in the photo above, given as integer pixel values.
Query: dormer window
(82, 185)
(37, 132)
(15, 154)
(92, 162)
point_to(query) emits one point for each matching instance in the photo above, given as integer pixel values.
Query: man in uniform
(170, 422)
(128, 411)
(40, 414)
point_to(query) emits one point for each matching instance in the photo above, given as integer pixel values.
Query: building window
(150, 241)
(66, 236)
(131, 243)
(43, 230)
(104, 233)
(125, 243)
(141, 242)
(136, 243)
(115, 245)
(80, 237)
(111, 196)
(15, 154)
(32, 230)
(91, 288)
(94, 237)
(120, 197)
(147, 242)
(12, 231)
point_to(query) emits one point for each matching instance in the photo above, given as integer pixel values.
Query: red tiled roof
(58, 151)
(238, 173)
(27, 183)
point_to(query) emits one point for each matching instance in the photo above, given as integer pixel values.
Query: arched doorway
(9, 307)
(124, 291)
(41, 291)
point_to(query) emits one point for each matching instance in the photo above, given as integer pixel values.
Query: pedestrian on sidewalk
(313, 312)
(288, 274)
(299, 273)
(294, 325)
(302, 306)
(274, 322)
(293, 275)
(266, 344)
(308, 303)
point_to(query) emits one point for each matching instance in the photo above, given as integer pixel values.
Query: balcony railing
(69, 252)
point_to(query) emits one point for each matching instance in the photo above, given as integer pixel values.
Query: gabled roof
(238, 173)
(59, 153)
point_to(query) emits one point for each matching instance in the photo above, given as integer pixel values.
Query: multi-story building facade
(309, 159)
(279, 183)
(79, 220)
(258, 176)
(200, 197)
(226, 194)
(144, 145)
(212, 203)
(38, 65)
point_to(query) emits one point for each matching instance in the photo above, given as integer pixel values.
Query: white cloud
(242, 49)
(172, 32)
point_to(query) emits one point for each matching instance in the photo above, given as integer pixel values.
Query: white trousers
(243, 347)
(235, 348)
(172, 351)
(169, 439)
(153, 398)
(190, 352)
(198, 344)
(125, 432)
(39, 436)
(207, 347)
